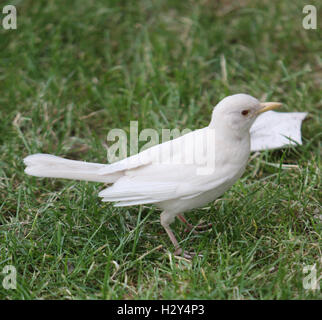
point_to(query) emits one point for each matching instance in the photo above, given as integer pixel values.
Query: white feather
(46, 165)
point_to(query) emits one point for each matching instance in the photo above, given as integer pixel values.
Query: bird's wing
(157, 183)
(173, 151)
(177, 176)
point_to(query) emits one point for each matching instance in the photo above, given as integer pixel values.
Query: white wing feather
(160, 173)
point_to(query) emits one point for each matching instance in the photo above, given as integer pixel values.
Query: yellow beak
(268, 106)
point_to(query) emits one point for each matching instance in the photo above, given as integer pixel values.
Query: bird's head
(239, 111)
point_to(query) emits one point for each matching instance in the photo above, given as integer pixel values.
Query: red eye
(245, 112)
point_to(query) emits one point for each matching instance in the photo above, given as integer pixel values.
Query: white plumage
(178, 175)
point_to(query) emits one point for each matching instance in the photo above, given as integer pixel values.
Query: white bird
(179, 175)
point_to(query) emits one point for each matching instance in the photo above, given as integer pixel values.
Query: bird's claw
(199, 228)
(186, 254)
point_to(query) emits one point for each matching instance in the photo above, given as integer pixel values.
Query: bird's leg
(166, 219)
(192, 227)
(189, 225)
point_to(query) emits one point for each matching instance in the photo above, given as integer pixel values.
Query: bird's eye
(245, 112)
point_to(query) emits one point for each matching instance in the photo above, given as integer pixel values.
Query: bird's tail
(46, 165)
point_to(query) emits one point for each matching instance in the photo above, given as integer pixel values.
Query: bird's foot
(199, 228)
(185, 254)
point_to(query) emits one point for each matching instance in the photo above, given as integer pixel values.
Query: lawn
(73, 70)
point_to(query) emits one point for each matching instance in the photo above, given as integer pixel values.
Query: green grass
(73, 70)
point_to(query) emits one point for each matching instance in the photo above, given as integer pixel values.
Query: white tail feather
(46, 165)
